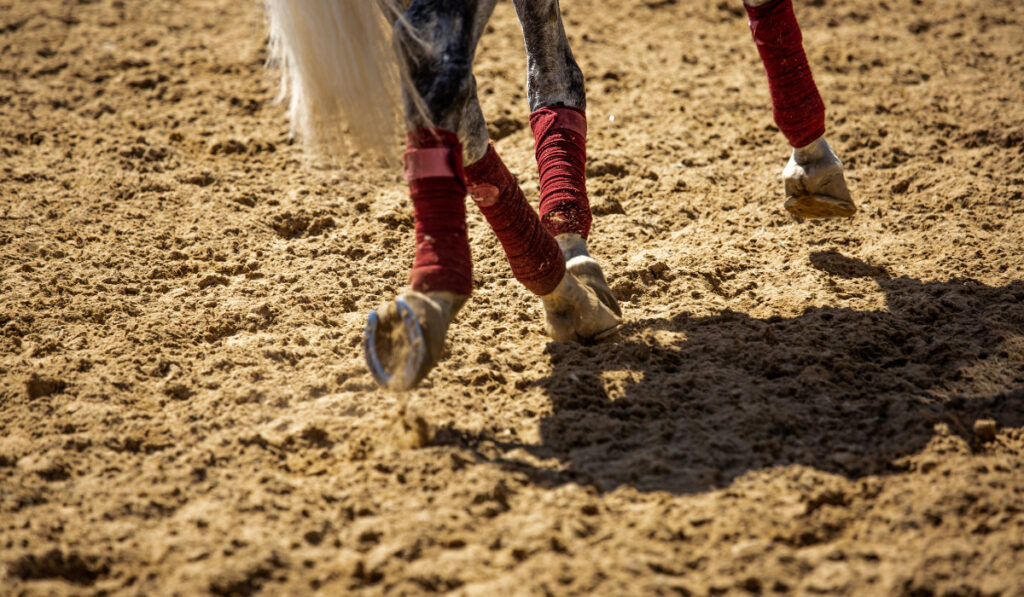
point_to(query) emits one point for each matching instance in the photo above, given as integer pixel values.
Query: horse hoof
(574, 312)
(815, 184)
(817, 207)
(403, 347)
(589, 273)
(404, 339)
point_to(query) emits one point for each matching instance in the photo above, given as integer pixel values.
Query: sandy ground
(791, 408)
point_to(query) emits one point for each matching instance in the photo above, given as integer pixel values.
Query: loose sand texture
(790, 408)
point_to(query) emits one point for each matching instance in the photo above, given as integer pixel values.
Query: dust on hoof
(394, 347)
(818, 207)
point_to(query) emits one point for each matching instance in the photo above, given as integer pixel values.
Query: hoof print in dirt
(604, 206)
(234, 146)
(40, 387)
(56, 565)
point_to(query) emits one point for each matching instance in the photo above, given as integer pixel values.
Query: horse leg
(558, 119)
(573, 310)
(814, 181)
(434, 41)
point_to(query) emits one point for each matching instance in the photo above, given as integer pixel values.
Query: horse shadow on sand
(687, 404)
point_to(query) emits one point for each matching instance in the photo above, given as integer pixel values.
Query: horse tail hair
(338, 73)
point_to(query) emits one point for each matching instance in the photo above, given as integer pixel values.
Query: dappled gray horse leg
(554, 78)
(435, 41)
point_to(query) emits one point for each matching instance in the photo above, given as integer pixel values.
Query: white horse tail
(338, 72)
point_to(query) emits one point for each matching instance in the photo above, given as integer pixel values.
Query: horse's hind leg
(558, 119)
(814, 181)
(434, 40)
(574, 311)
(532, 252)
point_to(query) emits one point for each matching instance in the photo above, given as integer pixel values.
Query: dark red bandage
(532, 252)
(433, 167)
(796, 104)
(560, 134)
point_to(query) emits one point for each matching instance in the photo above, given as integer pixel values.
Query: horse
(341, 62)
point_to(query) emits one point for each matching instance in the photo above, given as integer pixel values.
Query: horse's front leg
(558, 119)
(814, 181)
(434, 41)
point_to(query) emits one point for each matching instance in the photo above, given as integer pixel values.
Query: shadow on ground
(687, 404)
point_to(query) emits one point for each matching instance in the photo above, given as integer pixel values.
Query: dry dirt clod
(985, 430)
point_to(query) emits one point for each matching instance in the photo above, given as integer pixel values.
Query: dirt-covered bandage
(796, 103)
(433, 167)
(532, 252)
(560, 134)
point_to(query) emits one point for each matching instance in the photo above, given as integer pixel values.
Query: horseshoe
(408, 375)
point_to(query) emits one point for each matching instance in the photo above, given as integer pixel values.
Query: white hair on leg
(338, 71)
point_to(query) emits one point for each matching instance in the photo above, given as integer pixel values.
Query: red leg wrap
(532, 252)
(796, 104)
(560, 133)
(433, 167)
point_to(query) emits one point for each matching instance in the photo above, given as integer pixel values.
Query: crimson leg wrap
(560, 134)
(433, 167)
(796, 104)
(532, 252)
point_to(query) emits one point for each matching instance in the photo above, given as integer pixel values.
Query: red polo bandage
(433, 167)
(796, 104)
(532, 252)
(560, 134)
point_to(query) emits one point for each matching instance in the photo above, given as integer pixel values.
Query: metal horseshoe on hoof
(608, 333)
(406, 377)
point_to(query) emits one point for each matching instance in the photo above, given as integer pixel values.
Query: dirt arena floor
(791, 408)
